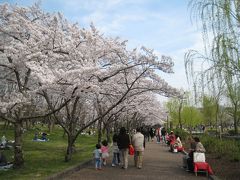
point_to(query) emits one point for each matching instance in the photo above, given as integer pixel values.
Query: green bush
(181, 133)
(231, 132)
(211, 131)
(222, 148)
(209, 143)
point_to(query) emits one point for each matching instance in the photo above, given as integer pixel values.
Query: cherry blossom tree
(72, 68)
(20, 44)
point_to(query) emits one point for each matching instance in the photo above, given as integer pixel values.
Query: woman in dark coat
(123, 143)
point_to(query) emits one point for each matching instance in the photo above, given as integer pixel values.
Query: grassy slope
(45, 158)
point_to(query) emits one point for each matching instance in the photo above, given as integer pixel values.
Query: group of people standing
(120, 149)
(158, 132)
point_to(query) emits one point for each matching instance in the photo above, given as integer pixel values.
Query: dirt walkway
(158, 164)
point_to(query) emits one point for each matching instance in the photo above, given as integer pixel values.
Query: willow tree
(209, 110)
(220, 21)
(175, 107)
(191, 117)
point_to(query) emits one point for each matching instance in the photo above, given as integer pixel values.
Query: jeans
(185, 157)
(115, 159)
(164, 139)
(98, 163)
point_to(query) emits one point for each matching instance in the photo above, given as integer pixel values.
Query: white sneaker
(113, 165)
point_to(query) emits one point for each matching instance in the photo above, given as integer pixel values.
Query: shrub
(211, 131)
(227, 147)
(231, 132)
(181, 133)
(209, 143)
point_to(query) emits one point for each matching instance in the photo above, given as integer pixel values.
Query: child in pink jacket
(105, 152)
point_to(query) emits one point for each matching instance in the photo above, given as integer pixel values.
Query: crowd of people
(121, 142)
(120, 149)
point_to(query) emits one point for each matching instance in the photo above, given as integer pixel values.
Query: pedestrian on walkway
(123, 143)
(151, 132)
(105, 154)
(116, 156)
(97, 153)
(138, 144)
(163, 132)
(158, 134)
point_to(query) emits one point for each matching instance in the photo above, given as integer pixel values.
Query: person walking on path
(97, 153)
(163, 132)
(116, 157)
(138, 144)
(151, 132)
(105, 154)
(159, 164)
(123, 143)
(158, 134)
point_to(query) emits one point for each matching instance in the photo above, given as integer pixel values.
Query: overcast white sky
(162, 25)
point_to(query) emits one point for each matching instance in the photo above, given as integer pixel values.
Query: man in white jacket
(138, 144)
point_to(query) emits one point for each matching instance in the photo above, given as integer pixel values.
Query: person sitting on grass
(35, 138)
(3, 141)
(3, 159)
(44, 136)
(97, 153)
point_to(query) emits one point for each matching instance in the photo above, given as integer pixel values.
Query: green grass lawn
(46, 158)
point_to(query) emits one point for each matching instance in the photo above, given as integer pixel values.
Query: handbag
(131, 150)
(199, 157)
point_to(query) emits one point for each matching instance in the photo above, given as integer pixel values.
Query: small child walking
(97, 153)
(115, 150)
(105, 153)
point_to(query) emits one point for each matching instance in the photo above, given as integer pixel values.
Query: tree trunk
(108, 134)
(179, 115)
(190, 129)
(216, 120)
(70, 149)
(51, 123)
(18, 154)
(235, 119)
(99, 131)
(171, 125)
(6, 125)
(28, 124)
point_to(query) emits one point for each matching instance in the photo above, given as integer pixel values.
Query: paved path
(158, 164)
